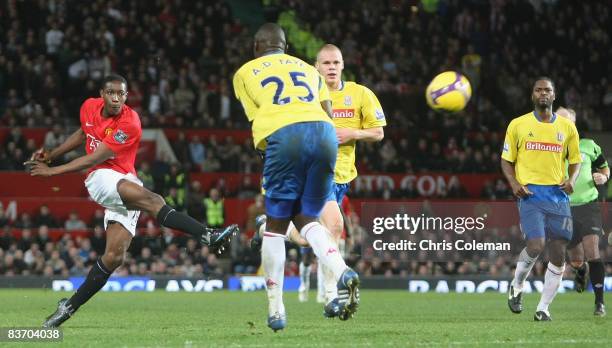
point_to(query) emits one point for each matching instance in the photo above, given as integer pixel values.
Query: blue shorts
(546, 214)
(298, 169)
(305, 250)
(338, 192)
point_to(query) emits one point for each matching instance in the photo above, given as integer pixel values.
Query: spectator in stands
(211, 268)
(54, 137)
(215, 209)
(6, 238)
(254, 210)
(54, 38)
(229, 153)
(30, 256)
(42, 235)
(74, 222)
(57, 265)
(145, 175)
(247, 261)
(176, 179)
(169, 237)
(197, 151)
(146, 257)
(26, 239)
(44, 217)
(4, 220)
(25, 221)
(183, 97)
(97, 219)
(174, 200)
(181, 148)
(247, 189)
(212, 163)
(151, 240)
(16, 137)
(98, 242)
(195, 202)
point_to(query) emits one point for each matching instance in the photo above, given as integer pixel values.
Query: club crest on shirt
(560, 136)
(120, 136)
(348, 100)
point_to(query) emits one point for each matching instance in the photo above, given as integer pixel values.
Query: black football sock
(97, 277)
(597, 274)
(169, 217)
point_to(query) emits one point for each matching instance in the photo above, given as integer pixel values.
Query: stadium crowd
(179, 56)
(50, 66)
(157, 251)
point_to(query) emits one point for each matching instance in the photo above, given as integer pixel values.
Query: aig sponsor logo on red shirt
(343, 113)
(538, 146)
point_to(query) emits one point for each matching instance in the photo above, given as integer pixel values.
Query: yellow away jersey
(355, 106)
(277, 90)
(539, 149)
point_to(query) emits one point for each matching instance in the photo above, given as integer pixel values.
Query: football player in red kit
(111, 131)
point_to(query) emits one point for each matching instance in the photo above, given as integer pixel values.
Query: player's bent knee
(156, 202)
(535, 249)
(113, 260)
(336, 228)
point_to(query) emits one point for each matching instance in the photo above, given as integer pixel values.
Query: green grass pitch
(238, 319)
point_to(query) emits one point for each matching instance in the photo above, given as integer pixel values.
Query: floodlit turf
(385, 318)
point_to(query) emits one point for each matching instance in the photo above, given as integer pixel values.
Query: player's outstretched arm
(101, 154)
(75, 140)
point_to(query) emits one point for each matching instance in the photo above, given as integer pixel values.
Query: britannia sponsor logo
(538, 146)
(343, 113)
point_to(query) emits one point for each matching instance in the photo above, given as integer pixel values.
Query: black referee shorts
(587, 220)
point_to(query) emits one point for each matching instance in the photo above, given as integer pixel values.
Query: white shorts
(102, 187)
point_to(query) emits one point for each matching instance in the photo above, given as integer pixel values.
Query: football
(449, 91)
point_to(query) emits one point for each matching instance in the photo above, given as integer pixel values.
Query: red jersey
(120, 133)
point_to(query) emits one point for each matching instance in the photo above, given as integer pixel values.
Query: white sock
(320, 285)
(273, 260)
(552, 279)
(319, 239)
(523, 268)
(262, 233)
(304, 276)
(329, 284)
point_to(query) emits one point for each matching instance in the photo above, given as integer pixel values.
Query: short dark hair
(541, 78)
(113, 78)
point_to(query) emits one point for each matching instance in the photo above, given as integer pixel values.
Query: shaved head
(270, 37)
(330, 65)
(331, 48)
(568, 113)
